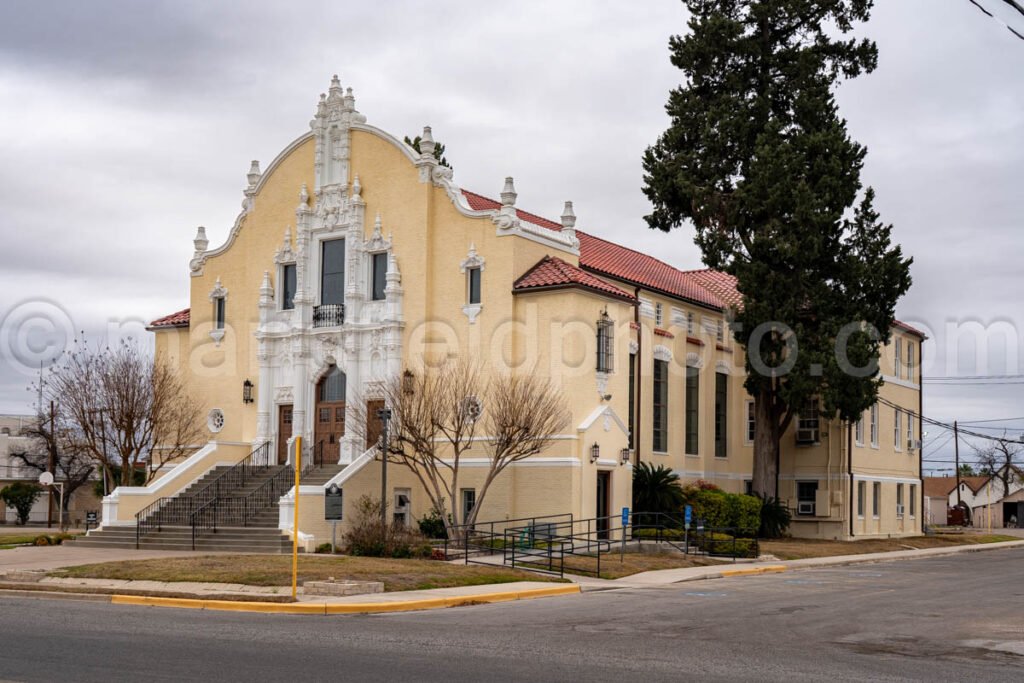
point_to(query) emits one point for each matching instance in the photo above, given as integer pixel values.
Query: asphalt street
(957, 618)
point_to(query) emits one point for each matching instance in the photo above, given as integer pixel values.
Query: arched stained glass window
(332, 386)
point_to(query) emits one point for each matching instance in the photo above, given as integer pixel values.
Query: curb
(749, 571)
(344, 608)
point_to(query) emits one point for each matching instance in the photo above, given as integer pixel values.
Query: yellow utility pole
(295, 520)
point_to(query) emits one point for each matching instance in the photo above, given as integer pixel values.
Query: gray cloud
(127, 124)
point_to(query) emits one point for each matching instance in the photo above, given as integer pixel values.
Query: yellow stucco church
(356, 256)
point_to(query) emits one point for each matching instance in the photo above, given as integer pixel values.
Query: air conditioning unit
(806, 436)
(913, 444)
(899, 510)
(805, 507)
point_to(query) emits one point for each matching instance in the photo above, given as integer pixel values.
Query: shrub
(656, 489)
(724, 544)
(775, 518)
(369, 537)
(42, 540)
(667, 534)
(432, 525)
(324, 548)
(20, 497)
(721, 510)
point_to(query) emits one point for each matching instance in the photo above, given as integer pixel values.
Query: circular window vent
(215, 420)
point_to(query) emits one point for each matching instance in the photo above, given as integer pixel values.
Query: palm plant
(656, 489)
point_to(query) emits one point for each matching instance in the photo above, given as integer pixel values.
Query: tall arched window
(332, 387)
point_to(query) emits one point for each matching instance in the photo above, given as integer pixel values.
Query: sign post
(625, 523)
(91, 519)
(333, 511)
(688, 517)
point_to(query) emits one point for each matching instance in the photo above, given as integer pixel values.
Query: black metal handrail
(240, 510)
(180, 510)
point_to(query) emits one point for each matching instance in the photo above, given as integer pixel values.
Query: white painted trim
(889, 379)
(885, 478)
(164, 481)
(598, 412)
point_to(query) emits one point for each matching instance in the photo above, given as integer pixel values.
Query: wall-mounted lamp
(624, 456)
(247, 392)
(595, 452)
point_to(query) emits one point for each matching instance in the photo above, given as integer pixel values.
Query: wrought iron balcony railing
(328, 315)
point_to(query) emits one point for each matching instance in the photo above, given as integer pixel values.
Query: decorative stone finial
(508, 194)
(254, 173)
(377, 227)
(427, 144)
(200, 242)
(568, 217)
(335, 82)
(350, 100)
(266, 290)
(304, 196)
(357, 188)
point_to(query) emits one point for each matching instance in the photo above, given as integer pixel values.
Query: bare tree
(1000, 460)
(71, 466)
(122, 408)
(437, 412)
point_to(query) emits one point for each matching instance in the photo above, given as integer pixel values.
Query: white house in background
(983, 495)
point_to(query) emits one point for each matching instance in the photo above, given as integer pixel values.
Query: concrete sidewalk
(667, 577)
(55, 557)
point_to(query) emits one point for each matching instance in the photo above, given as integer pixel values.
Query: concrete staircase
(259, 534)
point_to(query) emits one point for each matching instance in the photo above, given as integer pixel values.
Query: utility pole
(385, 416)
(956, 452)
(51, 467)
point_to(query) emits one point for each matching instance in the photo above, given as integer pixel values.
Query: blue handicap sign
(625, 516)
(688, 512)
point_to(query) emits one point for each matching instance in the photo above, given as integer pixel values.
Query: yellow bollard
(295, 520)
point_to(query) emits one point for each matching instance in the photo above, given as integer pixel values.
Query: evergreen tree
(438, 150)
(758, 158)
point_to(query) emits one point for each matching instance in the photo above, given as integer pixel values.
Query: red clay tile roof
(613, 260)
(912, 330)
(552, 272)
(940, 487)
(708, 287)
(179, 319)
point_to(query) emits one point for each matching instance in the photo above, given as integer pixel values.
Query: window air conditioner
(807, 436)
(805, 508)
(899, 510)
(914, 444)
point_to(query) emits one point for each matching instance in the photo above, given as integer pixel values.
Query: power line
(1009, 28)
(944, 378)
(997, 419)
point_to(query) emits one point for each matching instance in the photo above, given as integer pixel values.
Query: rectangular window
(858, 432)
(605, 349)
(332, 272)
(898, 362)
(659, 314)
(473, 286)
(632, 399)
(468, 503)
(748, 487)
(288, 286)
(692, 410)
(751, 423)
(721, 414)
(807, 423)
(913, 499)
(806, 497)
(910, 431)
(690, 323)
(910, 360)
(660, 412)
(897, 429)
(861, 494)
(379, 276)
(899, 500)
(219, 312)
(719, 331)
(874, 425)
(876, 499)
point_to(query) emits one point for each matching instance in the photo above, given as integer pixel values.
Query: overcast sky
(124, 125)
